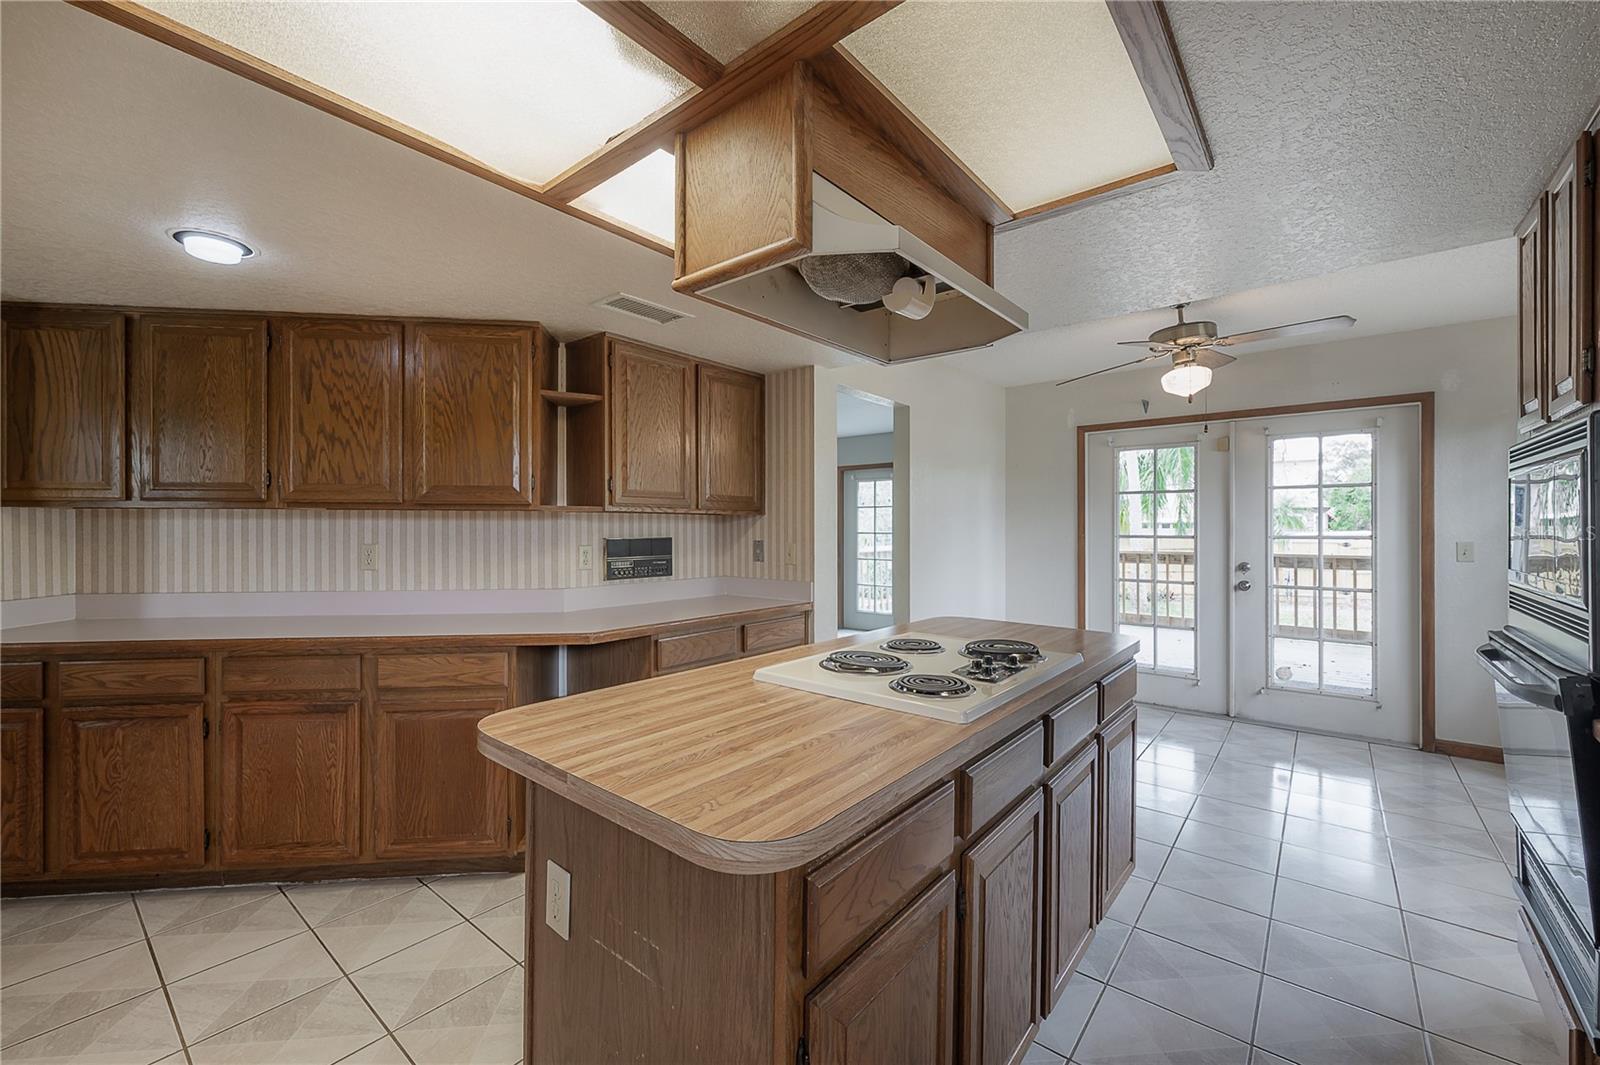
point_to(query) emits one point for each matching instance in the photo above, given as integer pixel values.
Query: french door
(866, 534)
(1268, 567)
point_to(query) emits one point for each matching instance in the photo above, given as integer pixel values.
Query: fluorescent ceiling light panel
(1039, 99)
(641, 196)
(528, 88)
(725, 29)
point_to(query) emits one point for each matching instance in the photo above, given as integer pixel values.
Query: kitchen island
(725, 870)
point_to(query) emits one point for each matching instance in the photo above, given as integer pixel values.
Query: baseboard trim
(1477, 751)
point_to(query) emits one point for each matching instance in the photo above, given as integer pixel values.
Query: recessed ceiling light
(213, 247)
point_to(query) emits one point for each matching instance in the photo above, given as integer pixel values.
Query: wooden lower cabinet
(895, 999)
(129, 788)
(1071, 802)
(22, 791)
(291, 782)
(434, 794)
(1002, 969)
(1116, 756)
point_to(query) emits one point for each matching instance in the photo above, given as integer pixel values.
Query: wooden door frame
(1425, 531)
(839, 533)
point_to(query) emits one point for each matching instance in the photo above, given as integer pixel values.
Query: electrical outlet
(791, 555)
(758, 551)
(1465, 550)
(558, 899)
(585, 556)
(369, 557)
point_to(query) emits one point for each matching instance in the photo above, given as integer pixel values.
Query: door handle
(1243, 586)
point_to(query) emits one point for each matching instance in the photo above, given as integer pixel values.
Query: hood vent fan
(641, 308)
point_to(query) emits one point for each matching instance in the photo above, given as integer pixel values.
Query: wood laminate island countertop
(747, 777)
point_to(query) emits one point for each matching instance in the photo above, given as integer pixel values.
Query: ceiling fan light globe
(1186, 380)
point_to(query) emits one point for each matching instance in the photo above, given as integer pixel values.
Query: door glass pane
(1294, 663)
(1294, 460)
(1347, 458)
(1347, 510)
(1155, 577)
(1347, 667)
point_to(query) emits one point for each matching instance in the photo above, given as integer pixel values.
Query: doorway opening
(872, 470)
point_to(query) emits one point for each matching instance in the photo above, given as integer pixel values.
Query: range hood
(966, 312)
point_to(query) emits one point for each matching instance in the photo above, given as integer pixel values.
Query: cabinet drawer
(145, 676)
(774, 635)
(1069, 724)
(851, 896)
(22, 682)
(696, 649)
(997, 779)
(1117, 690)
(292, 673)
(485, 669)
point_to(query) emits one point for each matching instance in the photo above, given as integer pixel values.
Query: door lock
(1243, 586)
(1243, 567)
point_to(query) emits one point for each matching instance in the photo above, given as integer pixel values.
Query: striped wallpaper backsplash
(153, 551)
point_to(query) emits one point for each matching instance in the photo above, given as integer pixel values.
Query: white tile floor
(1297, 899)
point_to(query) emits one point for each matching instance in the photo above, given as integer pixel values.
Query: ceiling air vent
(641, 308)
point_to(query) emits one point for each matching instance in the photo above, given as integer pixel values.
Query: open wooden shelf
(569, 399)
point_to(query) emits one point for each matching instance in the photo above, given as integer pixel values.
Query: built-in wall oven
(1546, 660)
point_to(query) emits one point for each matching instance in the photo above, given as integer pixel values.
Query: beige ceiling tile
(728, 30)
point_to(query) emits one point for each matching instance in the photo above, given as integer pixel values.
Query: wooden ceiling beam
(809, 35)
(1147, 35)
(635, 20)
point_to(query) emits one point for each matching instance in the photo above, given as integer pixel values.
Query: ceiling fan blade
(1317, 325)
(1108, 369)
(1212, 359)
(1136, 344)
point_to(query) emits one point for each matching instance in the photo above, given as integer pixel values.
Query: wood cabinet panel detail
(21, 682)
(279, 673)
(994, 781)
(471, 669)
(128, 788)
(469, 424)
(340, 388)
(774, 635)
(1002, 955)
(1071, 803)
(22, 791)
(731, 426)
(133, 678)
(433, 793)
(1532, 337)
(895, 1001)
(1069, 724)
(65, 406)
(1117, 690)
(1568, 382)
(853, 894)
(652, 397)
(693, 649)
(200, 407)
(291, 782)
(1116, 771)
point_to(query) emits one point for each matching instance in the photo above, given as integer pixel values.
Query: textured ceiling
(728, 30)
(1344, 134)
(112, 140)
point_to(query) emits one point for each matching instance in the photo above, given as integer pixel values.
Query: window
(1320, 627)
(875, 545)
(1155, 578)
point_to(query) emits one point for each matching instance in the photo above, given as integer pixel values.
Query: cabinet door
(469, 420)
(434, 793)
(64, 378)
(1003, 969)
(291, 791)
(1532, 335)
(1568, 380)
(200, 407)
(894, 1001)
(1116, 753)
(340, 387)
(732, 439)
(652, 428)
(1071, 801)
(22, 791)
(129, 793)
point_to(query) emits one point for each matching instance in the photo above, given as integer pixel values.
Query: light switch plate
(1465, 551)
(758, 553)
(558, 899)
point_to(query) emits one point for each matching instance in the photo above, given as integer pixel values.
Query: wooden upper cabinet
(64, 376)
(732, 439)
(340, 389)
(1003, 967)
(653, 417)
(21, 790)
(1531, 333)
(895, 999)
(129, 793)
(469, 418)
(200, 407)
(1569, 357)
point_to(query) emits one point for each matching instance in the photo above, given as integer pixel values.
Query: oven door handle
(1527, 682)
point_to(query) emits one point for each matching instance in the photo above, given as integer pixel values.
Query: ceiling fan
(1193, 348)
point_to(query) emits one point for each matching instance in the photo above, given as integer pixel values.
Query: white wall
(953, 473)
(1471, 370)
(863, 450)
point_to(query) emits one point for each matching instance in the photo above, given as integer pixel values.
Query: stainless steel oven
(1545, 659)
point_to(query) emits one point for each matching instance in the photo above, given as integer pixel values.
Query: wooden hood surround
(754, 178)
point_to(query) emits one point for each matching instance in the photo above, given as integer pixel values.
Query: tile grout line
(161, 977)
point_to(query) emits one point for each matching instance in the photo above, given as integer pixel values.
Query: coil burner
(912, 645)
(866, 663)
(932, 686)
(1027, 653)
